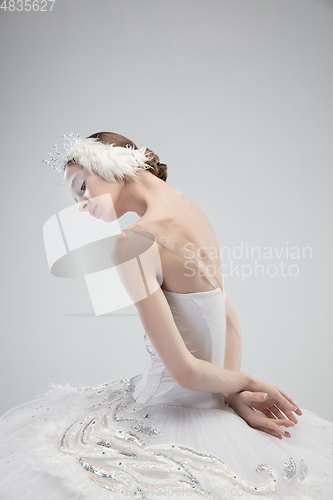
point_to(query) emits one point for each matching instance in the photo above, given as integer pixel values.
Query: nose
(83, 205)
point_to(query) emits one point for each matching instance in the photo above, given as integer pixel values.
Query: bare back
(185, 223)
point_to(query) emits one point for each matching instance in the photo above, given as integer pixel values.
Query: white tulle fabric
(146, 437)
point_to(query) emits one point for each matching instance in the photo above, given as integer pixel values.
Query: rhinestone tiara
(60, 159)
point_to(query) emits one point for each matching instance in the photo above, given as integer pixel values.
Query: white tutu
(98, 443)
(146, 436)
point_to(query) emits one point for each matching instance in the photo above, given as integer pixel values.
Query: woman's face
(93, 193)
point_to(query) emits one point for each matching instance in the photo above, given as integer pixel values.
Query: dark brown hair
(157, 168)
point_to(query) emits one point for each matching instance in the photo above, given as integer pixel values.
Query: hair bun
(157, 168)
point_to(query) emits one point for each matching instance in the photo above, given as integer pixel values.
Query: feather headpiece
(109, 161)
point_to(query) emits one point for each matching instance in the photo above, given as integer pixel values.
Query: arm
(244, 403)
(233, 340)
(159, 325)
(183, 367)
(158, 322)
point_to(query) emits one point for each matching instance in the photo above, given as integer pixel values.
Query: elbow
(181, 380)
(184, 377)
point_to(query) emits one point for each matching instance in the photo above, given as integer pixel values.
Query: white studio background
(236, 97)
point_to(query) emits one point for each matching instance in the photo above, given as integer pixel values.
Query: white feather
(109, 161)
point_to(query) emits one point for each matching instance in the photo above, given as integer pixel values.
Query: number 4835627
(34, 5)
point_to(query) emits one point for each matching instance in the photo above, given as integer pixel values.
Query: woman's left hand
(246, 402)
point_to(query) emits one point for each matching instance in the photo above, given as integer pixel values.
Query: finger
(269, 426)
(270, 431)
(291, 401)
(279, 414)
(254, 396)
(262, 409)
(285, 403)
(266, 412)
(255, 420)
(274, 412)
(280, 432)
(280, 436)
(284, 421)
(270, 423)
(273, 433)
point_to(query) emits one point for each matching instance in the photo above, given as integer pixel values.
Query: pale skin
(167, 211)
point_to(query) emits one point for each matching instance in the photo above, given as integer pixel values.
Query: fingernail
(292, 407)
(264, 396)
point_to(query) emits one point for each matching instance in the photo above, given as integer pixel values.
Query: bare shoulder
(137, 262)
(129, 244)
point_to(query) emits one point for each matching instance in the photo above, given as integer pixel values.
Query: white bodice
(201, 320)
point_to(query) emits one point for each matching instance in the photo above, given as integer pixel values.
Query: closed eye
(82, 189)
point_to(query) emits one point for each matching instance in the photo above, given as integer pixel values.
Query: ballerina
(192, 422)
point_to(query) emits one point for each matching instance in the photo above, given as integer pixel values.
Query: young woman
(192, 423)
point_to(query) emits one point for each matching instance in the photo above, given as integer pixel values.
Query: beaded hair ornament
(106, 160)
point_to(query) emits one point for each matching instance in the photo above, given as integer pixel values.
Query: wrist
(249, 382)
(226, 396)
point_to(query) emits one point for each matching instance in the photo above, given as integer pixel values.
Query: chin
(107, 218)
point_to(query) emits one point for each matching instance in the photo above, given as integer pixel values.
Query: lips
(93, 212)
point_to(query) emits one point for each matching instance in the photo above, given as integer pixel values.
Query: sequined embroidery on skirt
(109, 443)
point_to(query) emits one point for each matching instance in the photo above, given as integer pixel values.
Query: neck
(144, 194)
